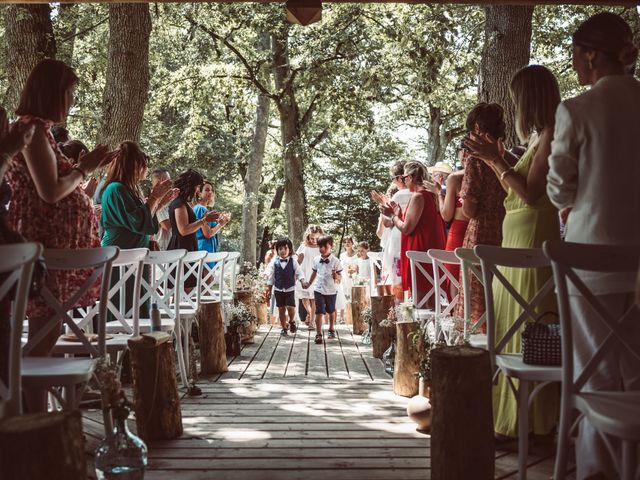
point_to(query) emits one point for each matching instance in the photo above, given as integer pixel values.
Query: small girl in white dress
(306, 252)
(349, 262)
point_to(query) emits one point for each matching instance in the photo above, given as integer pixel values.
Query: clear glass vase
(121, 455)
(389, 358)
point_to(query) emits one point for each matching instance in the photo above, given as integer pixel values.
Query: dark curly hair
(490, 119)
(188, 183)
(284, 242)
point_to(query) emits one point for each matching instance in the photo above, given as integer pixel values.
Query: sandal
(318, 339)
(292, 326)
(332, 334)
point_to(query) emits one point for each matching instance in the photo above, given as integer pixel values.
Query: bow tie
(324, 260)
(284, 260)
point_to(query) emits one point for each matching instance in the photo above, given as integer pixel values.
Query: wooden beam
(601, 3)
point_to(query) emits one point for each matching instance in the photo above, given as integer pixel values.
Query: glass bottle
(389, 358)
(121, 455)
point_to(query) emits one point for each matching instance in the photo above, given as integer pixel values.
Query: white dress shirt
(324, 283)
(595, 170)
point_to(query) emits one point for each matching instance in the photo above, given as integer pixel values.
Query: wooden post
(407, 364)
(155, 390)
(462, 441)
(347, 314)
(262, 311)
(381, 337)
(43, 445)
(213, 352)
(358, 304)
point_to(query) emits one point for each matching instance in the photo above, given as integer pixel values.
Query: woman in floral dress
(48, 204)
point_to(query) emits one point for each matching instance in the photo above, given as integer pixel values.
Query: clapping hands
(15, 137)
(433, 187)
(161, 195)
(485, 147)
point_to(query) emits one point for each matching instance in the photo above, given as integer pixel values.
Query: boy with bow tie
(327, 271)
(282, 274)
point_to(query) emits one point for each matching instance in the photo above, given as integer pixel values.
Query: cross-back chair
(375, 265)
(16, 268)
(613, 414)
(230, 273)
(421, 264)
(442, 279)
(69, 373)
(511, 364)
(470, 268)
(212, 285)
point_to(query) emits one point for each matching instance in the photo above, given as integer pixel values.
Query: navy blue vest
(285, 277)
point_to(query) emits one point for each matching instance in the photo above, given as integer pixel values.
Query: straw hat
(440, 167)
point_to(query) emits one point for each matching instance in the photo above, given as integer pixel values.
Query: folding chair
(17, 266)
(614, 414)
(469, 268)
(511, 364)
(68, 373)
(419, 262)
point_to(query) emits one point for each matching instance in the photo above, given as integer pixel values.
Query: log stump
(262, 311)
(155, 390)
(462, 441)
(43, 445)
(407, 364)
(347, 314)
(213, 352)
(381, 337)
(245, 297)
(358, 304)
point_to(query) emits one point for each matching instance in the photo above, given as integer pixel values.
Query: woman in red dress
(421, 226)
(48, 204)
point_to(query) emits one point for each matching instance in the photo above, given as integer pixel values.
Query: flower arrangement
(359, 281)
(239, 316)
(451, 329)
(399, 313)
(113, 396)
(367, 315)
(252, 279)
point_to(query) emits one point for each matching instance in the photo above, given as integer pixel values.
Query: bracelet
(505, 173)
(82, 172)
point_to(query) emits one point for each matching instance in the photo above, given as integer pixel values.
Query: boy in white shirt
(326, 270)
(364, 263)
(282, 274)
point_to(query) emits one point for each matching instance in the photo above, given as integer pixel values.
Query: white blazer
(595, 170)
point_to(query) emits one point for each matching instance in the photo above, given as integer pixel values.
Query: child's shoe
(292, 326)
(311, 326)
(319, 338)
(284, 332)
(331, 334)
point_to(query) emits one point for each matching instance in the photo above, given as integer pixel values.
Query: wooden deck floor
(290, 409)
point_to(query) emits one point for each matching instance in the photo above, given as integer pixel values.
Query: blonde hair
(536, 96)
(312, 230)
(417, 170)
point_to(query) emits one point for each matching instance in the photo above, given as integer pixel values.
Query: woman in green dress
(530, 220)
(128, 220)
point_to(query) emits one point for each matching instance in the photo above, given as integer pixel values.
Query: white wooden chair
(469, 268)
(212, 285)
(129, 264)
(375, 265)
(439, 259)
(69, 373)
(17, 264)
(418, 262)
(614, 414)
(230, 273)
(511, 364)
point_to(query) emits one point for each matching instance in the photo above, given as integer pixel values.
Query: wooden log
(155, 390)
(262, 312)
(407, 364)
(348, 318)
(213, 352)
(358, 304)
(246, 298)
(381, 337)
(43, 445)
(462, 441)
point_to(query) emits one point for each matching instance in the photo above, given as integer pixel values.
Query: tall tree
(253, 175)
(29, 35)
(127, 83)
(65, 28)
(507, 47)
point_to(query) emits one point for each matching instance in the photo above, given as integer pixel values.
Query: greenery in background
(381, 83)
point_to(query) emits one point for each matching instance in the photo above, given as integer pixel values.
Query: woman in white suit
(593, 181)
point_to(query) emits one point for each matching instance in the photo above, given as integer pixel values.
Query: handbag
(541, 343)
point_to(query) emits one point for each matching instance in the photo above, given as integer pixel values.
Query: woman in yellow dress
(530, 220)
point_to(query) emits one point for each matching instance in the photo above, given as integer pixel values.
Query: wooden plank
(336, 363)
(197, 426)
(297, 362)
(278, 365)
(224, 443)
(300, 474)
(239, 365)
(311, 453)
(357, 368)
(327, 418)
(217, 464)
(259, 363)
(236, 434)
(317, 359)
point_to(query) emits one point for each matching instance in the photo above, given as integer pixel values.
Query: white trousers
(618, 371)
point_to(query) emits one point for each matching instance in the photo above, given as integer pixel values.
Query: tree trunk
(127, 83)
(29, 36)
(507, 47)
(407, 364)
(632, 16)
(43, 445)
(358, 304)
(155, 391)
(213, 353)
(295, 197)
(462, 441)
(381, 337)
(65, 30)
(253, 176)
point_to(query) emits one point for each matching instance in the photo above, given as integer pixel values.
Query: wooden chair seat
(511, 365)
(613, 413)
(43, 372)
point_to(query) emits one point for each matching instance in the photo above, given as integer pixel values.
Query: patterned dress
(481, 183)
(68, 223)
